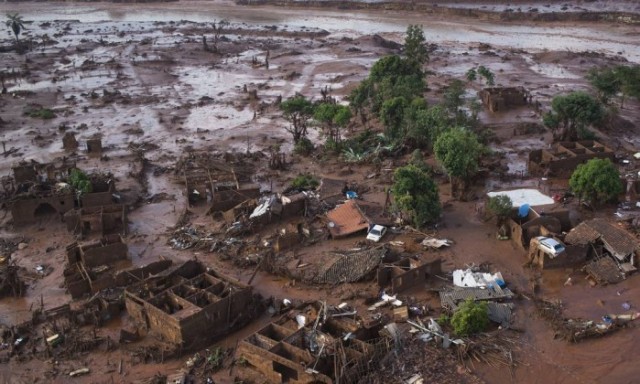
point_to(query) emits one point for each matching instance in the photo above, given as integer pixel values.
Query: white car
(376, 233)
(550, 246)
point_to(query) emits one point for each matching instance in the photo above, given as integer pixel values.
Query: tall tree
(15, 22)
(458, 151)
(333, 117)
(414, 45)
(298, 111)
(392, 116)
(597, 181)
(572, 113)
(606, 82)
(417, 194)
(629, 77)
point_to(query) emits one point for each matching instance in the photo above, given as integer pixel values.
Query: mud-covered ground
(139, 76)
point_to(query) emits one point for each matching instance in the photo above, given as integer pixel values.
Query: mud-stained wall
(227, 199)
(28, 211)
(573, 255)
(401, 276)
(501, 99)
(96, 199)
(97, 254)
(565, 157)
(190, 313)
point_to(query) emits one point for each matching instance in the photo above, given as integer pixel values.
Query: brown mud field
(138, 77)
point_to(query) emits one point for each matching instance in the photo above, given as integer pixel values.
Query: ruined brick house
(538, 222)
(355, 216)
(288, 351)
(406, 273)
(37, 192)
(191, 305)
(40, 190)
(218, 184)
(611, 249)
(563, 158)
(102, 220)
(499, 99)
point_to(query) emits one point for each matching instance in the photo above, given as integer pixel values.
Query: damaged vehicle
(376, 233)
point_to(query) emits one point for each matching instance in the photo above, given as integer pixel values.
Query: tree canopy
(392, 116)
(470, 317)
(414, 45)
(417, 194)
(458, 151)
(501, 206)
(597, 181)
(572, 113)
(612, 81)
(298, 111)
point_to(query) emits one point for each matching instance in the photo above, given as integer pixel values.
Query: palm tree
(16, 23)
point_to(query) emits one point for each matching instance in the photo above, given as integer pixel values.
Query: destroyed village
(320, 191)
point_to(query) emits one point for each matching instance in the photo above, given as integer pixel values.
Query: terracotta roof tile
(347, 219)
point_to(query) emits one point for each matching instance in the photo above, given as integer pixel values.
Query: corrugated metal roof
(451, 297)
(346, 219)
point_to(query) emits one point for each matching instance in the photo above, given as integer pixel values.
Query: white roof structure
(530, 196)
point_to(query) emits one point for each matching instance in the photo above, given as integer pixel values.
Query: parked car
(550, 246)
(376, 233)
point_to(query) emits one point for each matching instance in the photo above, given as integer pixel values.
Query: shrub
(42, 113)
(470, 318)
(305, 181)
(80, 181)
(303, 147)
(500, 206)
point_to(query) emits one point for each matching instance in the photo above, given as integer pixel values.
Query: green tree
(392, 116)
(470, 318)
(414, 45)
(305, 181)
(416, 193)
(606, 82)
(629, 77)
(393, 66)
(16, 23)
(501, 206)
(425, 124)
(333, 117)
(453, 99)
(572, 113)
(298, 111)
(597, 181)
(458, 151)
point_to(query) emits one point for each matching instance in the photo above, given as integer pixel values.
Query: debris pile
(577, 329)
